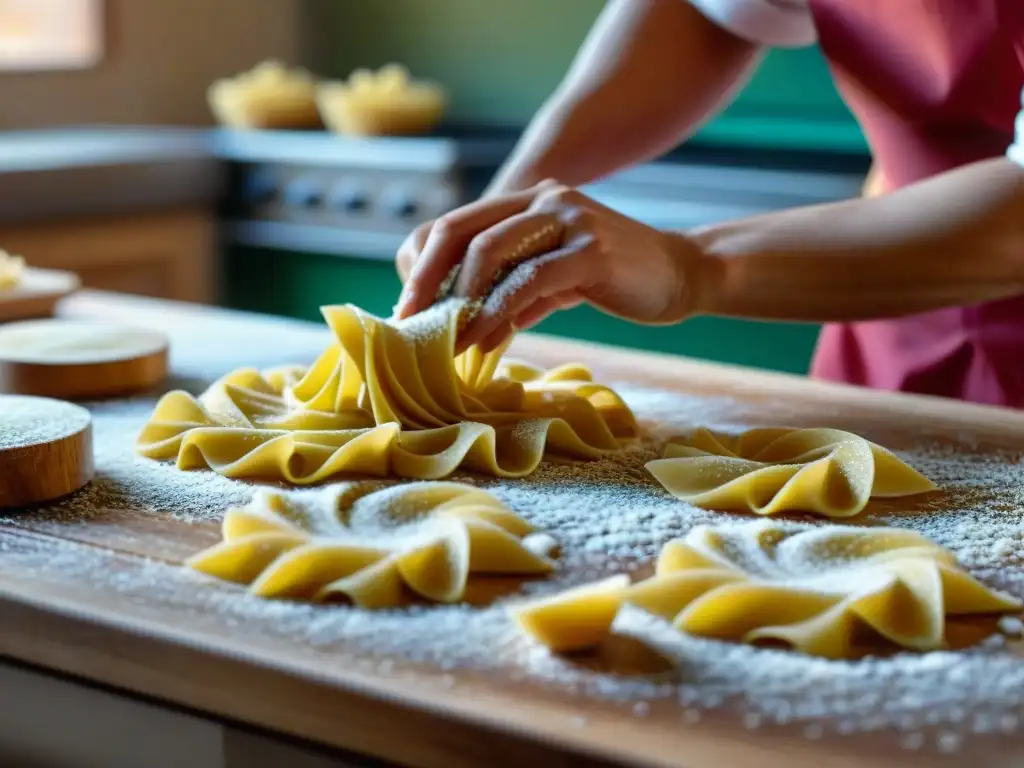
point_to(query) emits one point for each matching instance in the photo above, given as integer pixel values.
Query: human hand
(550, 247)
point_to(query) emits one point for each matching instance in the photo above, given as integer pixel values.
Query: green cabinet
(500, 61)
(297, 284)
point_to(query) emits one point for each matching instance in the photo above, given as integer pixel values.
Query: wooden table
(209, 686)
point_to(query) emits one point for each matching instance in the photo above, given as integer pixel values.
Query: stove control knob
(303, 194)
(349, 198)
(259, 189)
(404, 208)
(401, 203)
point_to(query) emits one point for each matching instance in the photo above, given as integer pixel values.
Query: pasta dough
(376, 547)
(11, 269)
(816, 590)
(389, 397)
(770, 470)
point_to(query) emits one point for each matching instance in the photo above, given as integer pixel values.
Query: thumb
(411, 249)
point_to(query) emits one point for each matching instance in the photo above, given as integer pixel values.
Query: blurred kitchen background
(112, 164)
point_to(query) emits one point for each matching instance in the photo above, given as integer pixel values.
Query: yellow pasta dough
(389, 397)
(371, 546)
(11, 268)
(770, 470)
(816, 590)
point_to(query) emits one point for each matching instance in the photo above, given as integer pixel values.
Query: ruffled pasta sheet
(815, 590)
(389, 398)
(769, 470)
(372, 546)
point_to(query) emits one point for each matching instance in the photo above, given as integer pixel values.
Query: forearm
(956, 239)
(650, 72)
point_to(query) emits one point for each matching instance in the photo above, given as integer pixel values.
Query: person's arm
(955, 239)
(649, 73)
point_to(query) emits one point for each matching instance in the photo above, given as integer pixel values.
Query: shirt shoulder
(775, 23)
(1016, 150)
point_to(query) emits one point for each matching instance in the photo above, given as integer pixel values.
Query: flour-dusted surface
(608, 516)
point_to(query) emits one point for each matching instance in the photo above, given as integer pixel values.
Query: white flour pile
(607, 515)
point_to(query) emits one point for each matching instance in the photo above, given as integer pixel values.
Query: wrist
(699, 275)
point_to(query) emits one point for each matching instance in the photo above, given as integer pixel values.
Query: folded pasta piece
(389, 398)
(825, 471)
(814, 589)
(375, 547)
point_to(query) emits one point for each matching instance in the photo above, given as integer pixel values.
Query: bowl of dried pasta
(383, 103)
(270, 96)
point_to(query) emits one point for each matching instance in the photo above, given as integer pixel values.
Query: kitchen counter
(105, 171)
(93, 590)
(100, 170)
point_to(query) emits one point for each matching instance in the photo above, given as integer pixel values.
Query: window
(50, 34)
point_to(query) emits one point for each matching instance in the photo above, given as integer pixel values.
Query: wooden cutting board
(420, 714)
(36, 294)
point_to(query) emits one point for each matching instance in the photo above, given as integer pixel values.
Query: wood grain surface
(202, 661)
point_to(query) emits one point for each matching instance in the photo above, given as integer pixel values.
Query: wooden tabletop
(168, 650)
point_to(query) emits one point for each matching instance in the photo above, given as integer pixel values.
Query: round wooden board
(45, 449)
(79, 359)
(36, 294)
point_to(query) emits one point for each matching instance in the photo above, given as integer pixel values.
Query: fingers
(411, 249)
(504, 245)
(498, 336)
(446, 246)
(558, 272)
(541, 309)
(531, 316)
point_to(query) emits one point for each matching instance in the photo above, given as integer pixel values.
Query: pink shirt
(935, 84)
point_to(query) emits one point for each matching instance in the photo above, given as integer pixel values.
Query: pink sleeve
(775, 23)
(1016, 150)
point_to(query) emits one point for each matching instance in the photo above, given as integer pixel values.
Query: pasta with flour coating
(11, 269)
(389, 397)
(372, 546)
(769, 470)
(816, 590)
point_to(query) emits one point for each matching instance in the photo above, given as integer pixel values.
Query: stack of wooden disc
(77, 360)
(45, 450)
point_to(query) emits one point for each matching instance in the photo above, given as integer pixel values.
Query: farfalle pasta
(374, 547)
(825, 471)
(817, 590)
(389, 397)
(11, 269)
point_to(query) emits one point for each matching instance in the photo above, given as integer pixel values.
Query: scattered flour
(607, 516)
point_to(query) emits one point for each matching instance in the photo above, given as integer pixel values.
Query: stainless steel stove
(319, 193)
(325, 194)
